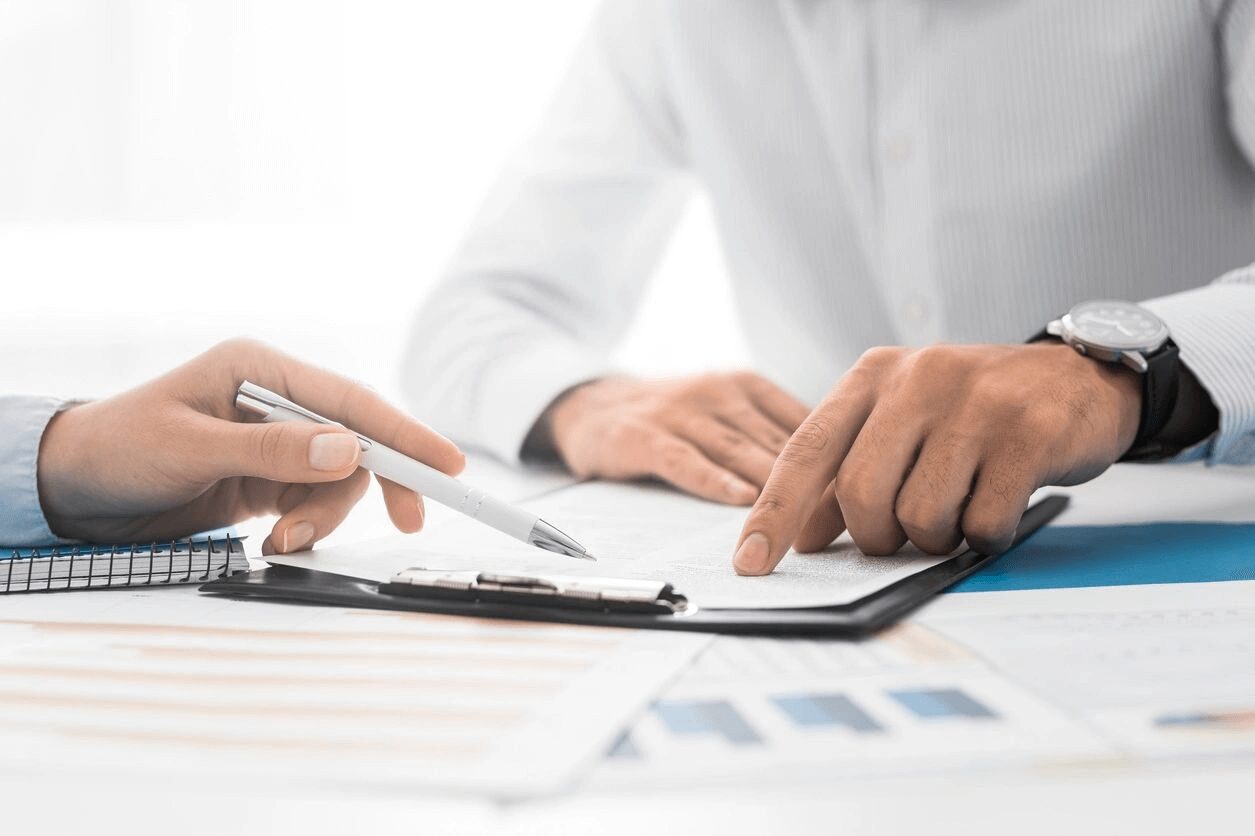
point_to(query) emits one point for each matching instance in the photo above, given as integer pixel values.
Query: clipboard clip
(605, 594)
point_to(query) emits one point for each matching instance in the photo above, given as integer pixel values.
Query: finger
(289, 451)
(405, 507)
(824, 526)
(319, 513)
(680, 463)
(930, 505)
(1002, 491)
(346, 401)
(872, 475)
(778, 405)
(757, 426)
(807, 464)
(730, 448)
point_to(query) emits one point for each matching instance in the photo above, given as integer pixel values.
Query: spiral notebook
(55, 568)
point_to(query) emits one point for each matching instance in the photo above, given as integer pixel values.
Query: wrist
(1121, 388)
(59, 469)
(541, 444)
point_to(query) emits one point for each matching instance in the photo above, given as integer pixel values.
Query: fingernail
(297, 536)
(332, 451)
(751, 558)
(740, 491)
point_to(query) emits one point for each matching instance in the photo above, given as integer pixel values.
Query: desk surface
(1170, 795)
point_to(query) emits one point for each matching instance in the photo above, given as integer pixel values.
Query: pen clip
(261, 401)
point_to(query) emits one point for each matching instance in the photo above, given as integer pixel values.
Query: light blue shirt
(22, 422)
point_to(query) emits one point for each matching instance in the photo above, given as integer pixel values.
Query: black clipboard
(498, 596)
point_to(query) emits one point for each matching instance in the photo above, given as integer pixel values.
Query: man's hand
(937, 445)
(173, 457)
(716, 436)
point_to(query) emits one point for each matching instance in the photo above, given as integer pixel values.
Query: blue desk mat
(1121, 555)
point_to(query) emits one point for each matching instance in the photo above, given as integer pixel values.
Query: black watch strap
(1159, 399)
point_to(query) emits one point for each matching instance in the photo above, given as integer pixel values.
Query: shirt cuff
(22, 423)
(516, 390)
(1214, 326)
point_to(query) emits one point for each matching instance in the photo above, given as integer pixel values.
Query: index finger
(808, 463)
(351, 403)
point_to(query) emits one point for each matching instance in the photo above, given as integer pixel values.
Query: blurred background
(174, 172)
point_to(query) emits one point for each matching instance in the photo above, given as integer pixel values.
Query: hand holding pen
(174, 456)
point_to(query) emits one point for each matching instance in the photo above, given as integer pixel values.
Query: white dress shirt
(881, 172)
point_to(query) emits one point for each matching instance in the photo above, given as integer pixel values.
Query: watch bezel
(1113, 350)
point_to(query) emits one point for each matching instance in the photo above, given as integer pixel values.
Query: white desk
(1187, 795)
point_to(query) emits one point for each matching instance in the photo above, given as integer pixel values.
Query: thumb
(288, 451)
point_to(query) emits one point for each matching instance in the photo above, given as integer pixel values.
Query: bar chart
(862, 713)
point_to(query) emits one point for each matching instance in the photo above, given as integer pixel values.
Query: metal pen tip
(546, 537)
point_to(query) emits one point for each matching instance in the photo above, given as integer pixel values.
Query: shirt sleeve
(22, 423)
(1214, 326)
(553, 269)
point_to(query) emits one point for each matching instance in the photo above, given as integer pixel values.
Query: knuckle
(811, 439)
(744, 379)
(853, 489)
(878, 545)
(772, 505)
(728, 444)
(879, 356)
(935, 360)
(672, 455)
(923, 518)
(241, 347)
(986, 531)
(271, 443)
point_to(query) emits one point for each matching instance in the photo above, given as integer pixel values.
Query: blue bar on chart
(815, 710)
(714, 717)
(942, 703)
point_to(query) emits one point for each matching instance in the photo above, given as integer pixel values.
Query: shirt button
(899, 149)
(916, 311)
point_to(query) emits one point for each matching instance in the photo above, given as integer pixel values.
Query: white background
(174, 172)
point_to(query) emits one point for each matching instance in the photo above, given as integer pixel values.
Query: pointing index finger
(808, 463)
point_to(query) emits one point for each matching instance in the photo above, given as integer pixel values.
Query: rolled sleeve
(22, 422)
(1214, 326)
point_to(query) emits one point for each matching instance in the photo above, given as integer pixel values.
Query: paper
(639, 532)
(814, 712)
(1156, 669)
(1118, 678)
(168, 682)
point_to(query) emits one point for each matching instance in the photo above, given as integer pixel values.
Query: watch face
(1119, 325)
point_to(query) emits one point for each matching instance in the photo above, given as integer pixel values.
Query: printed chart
(170, 682)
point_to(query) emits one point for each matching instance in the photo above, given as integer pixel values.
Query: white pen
(413, 474)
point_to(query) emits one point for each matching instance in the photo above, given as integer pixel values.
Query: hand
(172, 458)
(715, 435)
(940, 444)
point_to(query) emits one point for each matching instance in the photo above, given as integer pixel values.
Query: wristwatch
(1121, 332)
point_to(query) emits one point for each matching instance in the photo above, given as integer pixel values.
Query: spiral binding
(115, 566)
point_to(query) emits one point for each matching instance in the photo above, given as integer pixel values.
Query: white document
(635, 531)
(756, 712)
(212, 692)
